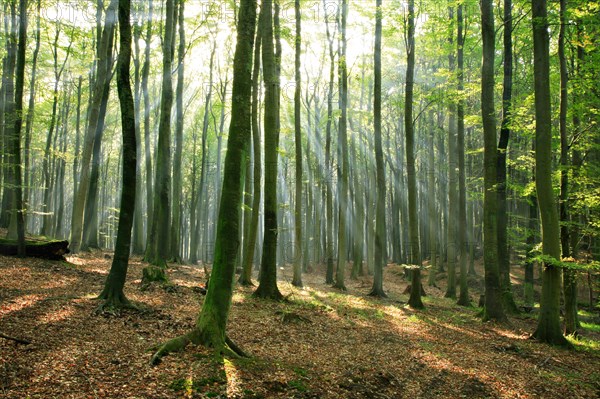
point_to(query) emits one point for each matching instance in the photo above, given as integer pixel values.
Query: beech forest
(299, 199)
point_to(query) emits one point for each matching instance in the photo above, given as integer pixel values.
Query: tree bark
(103, 74)
(380, 232)
(493, 309)
(113, 288)
(503, 254)
(211, 323)
(158, 245)
(548, 328)
(463, 298)
(413, 218)
(343, 157)
(297, 279)
(267, 287)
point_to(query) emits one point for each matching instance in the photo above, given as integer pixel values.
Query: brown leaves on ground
(321, 343)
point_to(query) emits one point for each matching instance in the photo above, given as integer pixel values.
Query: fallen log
(46, 249)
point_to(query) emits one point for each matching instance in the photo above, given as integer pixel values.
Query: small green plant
(298, 385)
(300, 371)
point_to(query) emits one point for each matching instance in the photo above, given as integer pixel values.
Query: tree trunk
(503, 254)
(548, 328)
(413, 218)
(328, 161)
(493, 309)
(211, 323)
(115, 281)
(380, 232)
(30, 110)
(297, 280)
(452, 226)
(177, 166)
(147, 107)
(137, 244)
(15, 138)
(343, 157)
(463, 298)
(431, 204)
(158, 246)
(103, 74)
(569, 275)
(267, 287)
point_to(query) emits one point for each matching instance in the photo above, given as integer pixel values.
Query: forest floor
(320, 343)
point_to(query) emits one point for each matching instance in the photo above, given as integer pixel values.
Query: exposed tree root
(377, 293)
(226, 348)
(113, 302)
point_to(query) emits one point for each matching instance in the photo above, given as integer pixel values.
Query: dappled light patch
(54, 315)
(318, 343)
(19, 303)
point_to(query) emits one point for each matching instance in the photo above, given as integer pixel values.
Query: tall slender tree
(463, 298)
(377, 289)
(113, 294)
(409, 130)
(503, 254)
(15, 139)
(102, 74)
(267, 287)
(548, 328)
(158, 245)
(297, 280)
(177, 157)
(493, 297)
(569, 275)
(211, 323)
(343, 166)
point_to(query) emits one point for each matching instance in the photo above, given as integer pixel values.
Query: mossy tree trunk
(548, 328)
(113, 288)
(212, 320)
(493, 309)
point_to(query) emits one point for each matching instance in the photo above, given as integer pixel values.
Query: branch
(18, 340)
